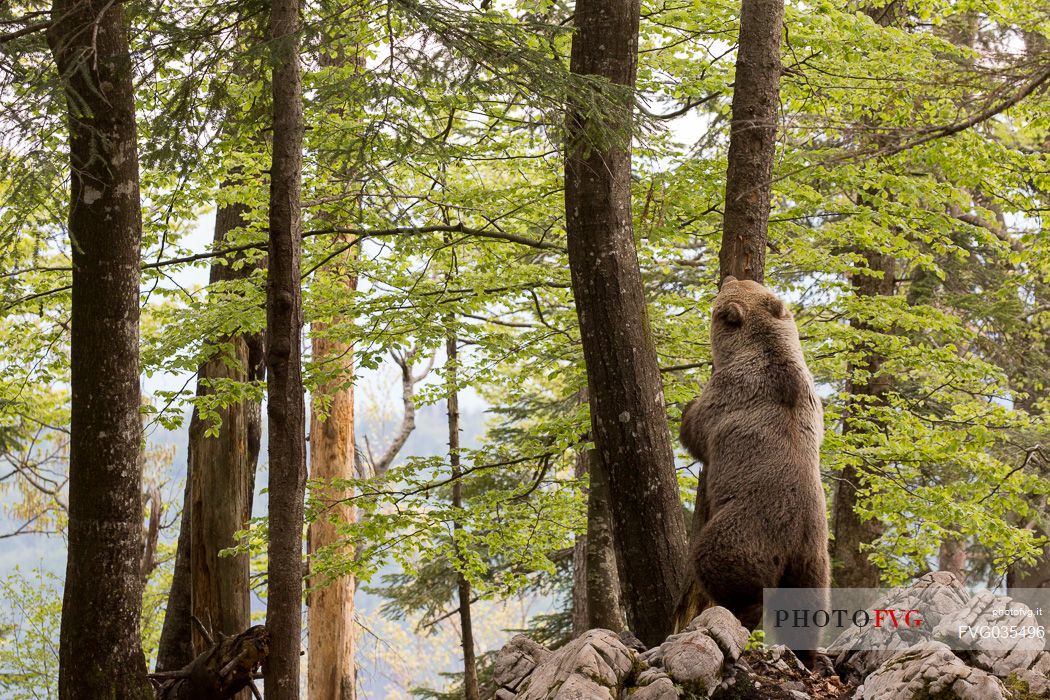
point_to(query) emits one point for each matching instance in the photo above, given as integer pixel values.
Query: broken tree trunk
(223, 670)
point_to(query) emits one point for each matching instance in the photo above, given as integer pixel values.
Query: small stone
(661, 689)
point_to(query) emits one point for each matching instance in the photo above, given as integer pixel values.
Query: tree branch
(24, 31)
(408, 420)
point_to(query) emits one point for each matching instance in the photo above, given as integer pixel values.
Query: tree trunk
(1036, 575)
(220, 483)
(285, 412)
(752, 141)
(330, 675)
(175, 649)
(596, 581)
(100, 653)
(953, 557)
(470, 668)
(223, 477)
(628, 416)
(850, 567)
(604, 607)
(580, 547)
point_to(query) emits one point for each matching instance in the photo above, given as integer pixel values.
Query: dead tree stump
(229, 666)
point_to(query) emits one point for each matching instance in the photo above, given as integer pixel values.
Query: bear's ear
(777, 307)
(731, 314)
(728, 279)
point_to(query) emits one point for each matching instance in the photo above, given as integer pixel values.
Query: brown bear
(757, 427)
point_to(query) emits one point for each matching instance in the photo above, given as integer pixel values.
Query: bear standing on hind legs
(757, 427)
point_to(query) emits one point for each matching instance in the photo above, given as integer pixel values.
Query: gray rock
(1000, 656)
(694, 661)
(1037, 683)
(930, 669)
(661, 689)
(577, 687)
(783, 659)
(859, 651)
(649, 676)
(593, 666)
(516, 661)
(723, 627)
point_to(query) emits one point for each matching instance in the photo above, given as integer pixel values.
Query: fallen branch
(226, 668)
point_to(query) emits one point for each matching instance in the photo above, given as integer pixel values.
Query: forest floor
(780, 681)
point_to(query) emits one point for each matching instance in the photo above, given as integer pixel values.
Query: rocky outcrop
(600, 666)
(941, 656)
(710, 659)
(930, 670)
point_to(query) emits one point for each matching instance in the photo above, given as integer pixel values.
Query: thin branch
(408, 419)
(24, 31)
(689, 104)
(933, 133)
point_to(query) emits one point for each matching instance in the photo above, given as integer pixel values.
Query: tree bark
(331, 673)
(175, 649)
(286, 413)
(579, 585)
(628, 417)
(953, 557)
(752, 141)
(223, 478)
(580, 548)
(604, 607)
(850, 566)
(100, 654)
(470, 668)
(1032, 391)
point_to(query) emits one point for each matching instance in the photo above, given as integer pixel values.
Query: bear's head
(746, 319)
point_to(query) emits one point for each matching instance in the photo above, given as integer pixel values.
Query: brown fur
(757, 426)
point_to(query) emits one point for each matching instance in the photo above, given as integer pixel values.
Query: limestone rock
(723, 627)
(1000, 655)
(595, 666)
(654, 685)
(515, 663)
(694, 661)
(926, 670)
(859, 651)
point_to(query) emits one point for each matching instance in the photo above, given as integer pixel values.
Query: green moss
(1020, 690)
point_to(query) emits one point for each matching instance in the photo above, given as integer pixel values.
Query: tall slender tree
(752, 141)
(286, 412)
(175, 648)
(220, 482)
(471, 690)
(331, 604)
(867, 386)
(604, 606)
(100, 653)
(628, 415)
